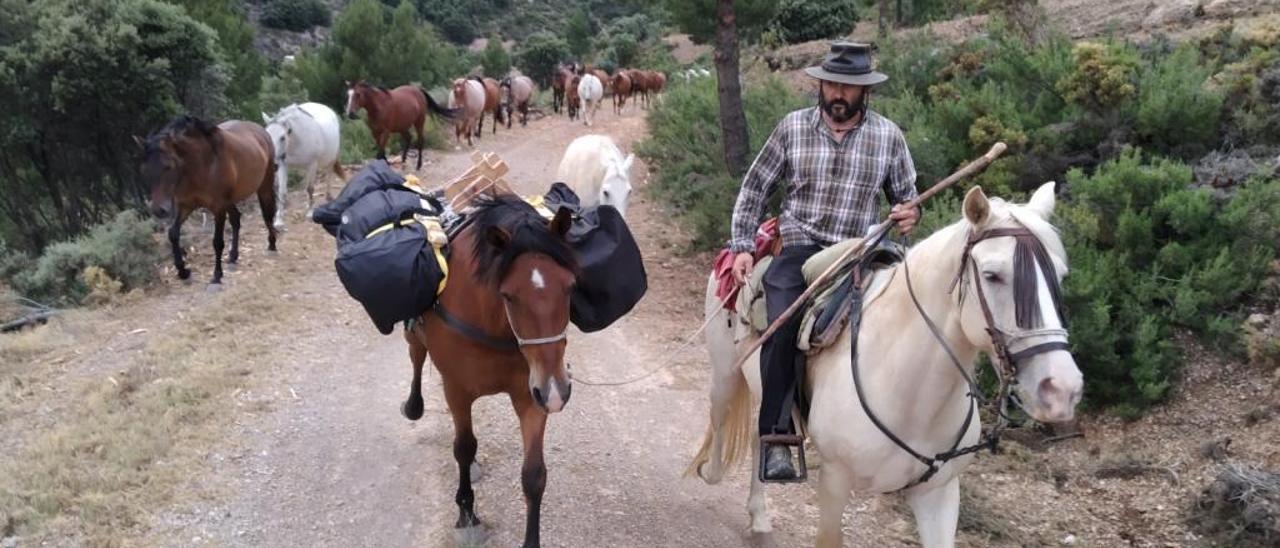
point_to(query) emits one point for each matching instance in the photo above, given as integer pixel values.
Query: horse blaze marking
(351, 96)
(537, 280)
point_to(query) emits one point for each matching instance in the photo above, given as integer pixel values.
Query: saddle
(832, 309)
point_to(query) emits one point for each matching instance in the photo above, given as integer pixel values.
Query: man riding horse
(837, 158)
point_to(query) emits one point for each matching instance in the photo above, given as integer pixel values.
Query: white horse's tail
(735, 432)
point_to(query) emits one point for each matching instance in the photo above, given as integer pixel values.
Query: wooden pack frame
(483, 178)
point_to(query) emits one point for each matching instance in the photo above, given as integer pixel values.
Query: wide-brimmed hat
(848, 63)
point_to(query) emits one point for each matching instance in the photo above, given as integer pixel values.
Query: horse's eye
(991, 277)
(508, 298)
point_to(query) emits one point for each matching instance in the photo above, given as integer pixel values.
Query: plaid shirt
(834, 188)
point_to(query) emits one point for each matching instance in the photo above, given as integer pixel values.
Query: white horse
(591, 92)
(304, 136)
(911, 384)
(597, 172)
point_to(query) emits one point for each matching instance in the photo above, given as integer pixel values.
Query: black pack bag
(613, 279)
(385, 259)
(393, 274)
(375, 176)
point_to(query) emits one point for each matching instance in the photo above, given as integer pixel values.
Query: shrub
(539, 54)
(1150, 253)
(1176, 111)
(495, 61)
(1104, 75)
(804, 20)
(294, 15)
(685, 149)
(124, 250)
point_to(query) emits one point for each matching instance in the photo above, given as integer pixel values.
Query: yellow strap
(540, 203)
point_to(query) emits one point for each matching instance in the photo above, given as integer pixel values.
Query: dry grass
(1241, 507)
(123, 444)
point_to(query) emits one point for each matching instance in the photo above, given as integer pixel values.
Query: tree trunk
(733, 121)
(884, 19)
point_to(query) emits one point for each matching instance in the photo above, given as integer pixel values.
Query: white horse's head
(1018, 271)
(280, 128)
(616, 186)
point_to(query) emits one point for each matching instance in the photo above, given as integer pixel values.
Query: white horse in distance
(595, 169)
(591, 93)
(304, 136)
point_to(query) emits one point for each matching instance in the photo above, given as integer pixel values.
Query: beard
(842, 111)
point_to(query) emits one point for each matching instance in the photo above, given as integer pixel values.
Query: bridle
(1012, 347)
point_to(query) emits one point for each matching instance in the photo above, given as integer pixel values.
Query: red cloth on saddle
(726, 287)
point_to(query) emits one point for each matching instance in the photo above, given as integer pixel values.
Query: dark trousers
(783, 284)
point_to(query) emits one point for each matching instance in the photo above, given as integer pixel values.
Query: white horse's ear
(976, 207)
(1043, 200)
(265, 118)
(626, 164)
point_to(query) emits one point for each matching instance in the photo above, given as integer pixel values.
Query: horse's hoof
(184, 274)
(232, 265)
(272, 252)
(472, 535)
(213, 287)
(412, 409)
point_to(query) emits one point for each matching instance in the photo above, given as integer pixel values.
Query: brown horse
(191, 163)
(492, 103)
(559, 82)
(394, 111)
(640, 86)
(500, 326)
(657, 82)
(572, 102)
(621, 90)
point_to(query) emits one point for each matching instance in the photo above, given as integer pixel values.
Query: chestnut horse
(517, 92)
(500, 326)
(621, 90)
(559, 84)
(640, 86)
(394, 111)
(657, 82)
(191, 163)
(572, 101)
(492, 103)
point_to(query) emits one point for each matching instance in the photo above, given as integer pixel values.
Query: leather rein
(1005, 363)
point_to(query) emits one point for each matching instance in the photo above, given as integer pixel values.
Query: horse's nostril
(538, 397)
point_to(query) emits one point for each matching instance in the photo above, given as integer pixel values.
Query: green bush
(686, 153)
(125, 248)
(78, 79)
(539, 54)
(1177, 113)
(1150, 253)
(804, 20)
(294, 15)
(386, 49)
(495, 60)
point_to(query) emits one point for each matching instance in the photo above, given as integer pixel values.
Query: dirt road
(336, 465)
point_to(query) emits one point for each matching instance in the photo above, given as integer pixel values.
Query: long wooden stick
(968, 170)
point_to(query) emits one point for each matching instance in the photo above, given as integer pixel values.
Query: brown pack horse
(191, 163)
(394, 111)
(500, 326)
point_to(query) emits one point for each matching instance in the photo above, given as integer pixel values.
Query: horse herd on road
(515, 272)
